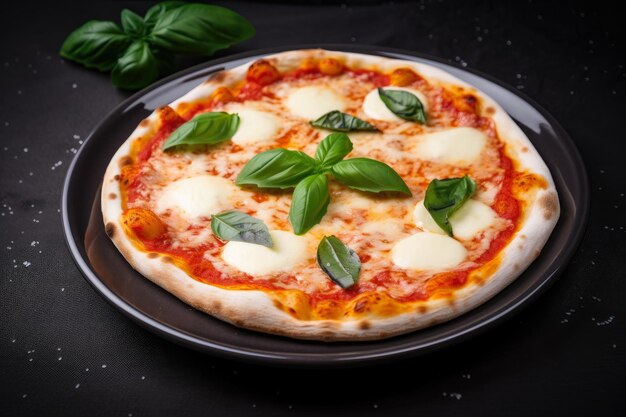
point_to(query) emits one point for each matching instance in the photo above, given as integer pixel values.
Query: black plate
(165, 315)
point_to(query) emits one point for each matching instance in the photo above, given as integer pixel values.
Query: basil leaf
(404, 105)
(342, 122)
(339, 262)
(135, 69)
(204, 129)
(333, 149)
(369, 175)
(199, 29)
(276, 168)
(155, 12)
(235, 225)
(309, 203)
(132, 23)
(444, 197)
(96, 44)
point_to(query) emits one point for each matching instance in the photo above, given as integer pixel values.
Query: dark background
(65, 351)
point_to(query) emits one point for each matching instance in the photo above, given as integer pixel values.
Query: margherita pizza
(330, 196)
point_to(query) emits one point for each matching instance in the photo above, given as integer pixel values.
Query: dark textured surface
(65, 351)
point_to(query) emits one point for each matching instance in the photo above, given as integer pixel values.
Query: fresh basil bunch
(143, 49)
(283, 168)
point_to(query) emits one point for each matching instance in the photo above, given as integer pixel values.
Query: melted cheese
(374, 107)
(428, 251)
(314, 101)
(467, 222)
(196, 197)
(458, 146)
(287, 252)
(369, 223)
(255, 127)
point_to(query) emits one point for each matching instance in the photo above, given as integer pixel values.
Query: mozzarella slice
(428, 251)
(472, 218)
(196, 197)
(313, 101)
(459, 146)
(287, 252)
(374, 107)
(255, 127)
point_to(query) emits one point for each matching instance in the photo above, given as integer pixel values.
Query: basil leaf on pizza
(199, 29)
(403, 104)
(96, 44)
(333, 149)
(342, 122)
(136, 68)
(204, 129)
(444, 197)
(366, 174)
(309, 203)
(238, 226)
(276, 168)
(338, 261)
(132, 23)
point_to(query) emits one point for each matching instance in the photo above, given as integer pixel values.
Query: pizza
(330, 196)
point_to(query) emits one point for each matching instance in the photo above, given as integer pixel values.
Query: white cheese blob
(287, 252)
(374, 107)
(196, 197)
(472, 218)
(428, 251)
(459, 146)
(313, 101)
(255, 127)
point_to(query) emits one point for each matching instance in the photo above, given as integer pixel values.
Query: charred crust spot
(112, 196)
(490, 110)
(109, 229)
(364, 325)
(116, 177)
(216, 306)
(524, 149)
(422, 309)
(451, 302)
(549, 204)
(218, 77)
(125, 160)
(144, 123)
(522, 236)
(153, 255)
(167, 259)
(360, 306)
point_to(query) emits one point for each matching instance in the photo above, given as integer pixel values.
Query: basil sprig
(142, 49)
(403, 104)
(204, 129)
(444, 197)
(339, 262)
(366, 174)
(276, 168)
(309, 203)
(238, 226)
(342, 122)
(282, 168)
(333, 149)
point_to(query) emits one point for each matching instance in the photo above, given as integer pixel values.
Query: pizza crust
(255, 310)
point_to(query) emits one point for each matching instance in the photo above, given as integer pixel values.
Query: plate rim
(324, 359)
